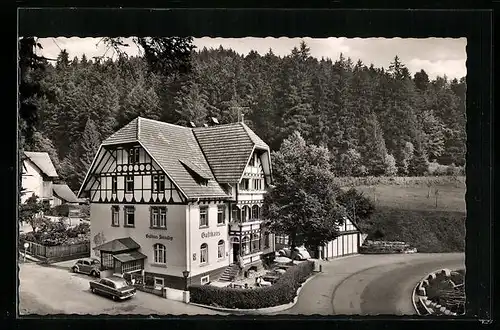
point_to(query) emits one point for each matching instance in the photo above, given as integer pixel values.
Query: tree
(406, 156)
(29, 91)
(433, 131)
(302, 203)
(374, 145)
(349, 163)
(421, 80)
(418, 165)
(89, 146)
(32, 212)
(357, 205)
(390, 165)
(191, 105)
(40, 143)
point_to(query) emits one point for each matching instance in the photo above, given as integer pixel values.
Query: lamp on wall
(185, 274)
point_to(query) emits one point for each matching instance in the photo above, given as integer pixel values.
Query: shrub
(84, 211)
(59, 210)
(426, 230)
(282, 292)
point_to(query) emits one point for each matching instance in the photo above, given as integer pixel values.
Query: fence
(57, 251)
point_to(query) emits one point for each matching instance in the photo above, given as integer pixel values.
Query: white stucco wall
(32, 181)
(100, 215)
(219, 232)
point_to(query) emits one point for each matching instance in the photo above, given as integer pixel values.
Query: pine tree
(374, 157)
(418, 165)
(89, 146)
(41, 143)
(191, 105)
(432, 135)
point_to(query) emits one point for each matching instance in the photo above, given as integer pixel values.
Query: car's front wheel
(93, 290)
(115, 298)
(94, 273)
(74, 269)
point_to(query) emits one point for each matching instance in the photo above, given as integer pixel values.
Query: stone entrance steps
(229, 273)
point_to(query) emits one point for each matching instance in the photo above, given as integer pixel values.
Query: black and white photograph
(254, 175)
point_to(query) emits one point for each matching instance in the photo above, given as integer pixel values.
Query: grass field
(407, 209)
(439, 194)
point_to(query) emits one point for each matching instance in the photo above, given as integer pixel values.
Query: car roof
(114, 278)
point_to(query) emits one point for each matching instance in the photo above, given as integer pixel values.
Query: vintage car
(300, 253)
(114, 287)
(89, 266)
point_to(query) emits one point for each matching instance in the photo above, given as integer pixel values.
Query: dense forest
(375, 121)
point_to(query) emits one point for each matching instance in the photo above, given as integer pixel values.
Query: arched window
(221, 249)
(255, 242)
(204, 253)
(246, 245)
(236, 213)
(160, 254)
(245, 213)
(255, 212)
(266, 239)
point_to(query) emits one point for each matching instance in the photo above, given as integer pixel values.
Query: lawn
(415, 193)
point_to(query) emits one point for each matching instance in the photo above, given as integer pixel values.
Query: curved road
(370, 284)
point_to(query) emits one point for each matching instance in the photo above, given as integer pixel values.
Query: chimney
(214, 120)
(192, 124)
(205, 125)
(243, 118)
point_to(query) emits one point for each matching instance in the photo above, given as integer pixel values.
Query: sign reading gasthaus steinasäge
(168, 238)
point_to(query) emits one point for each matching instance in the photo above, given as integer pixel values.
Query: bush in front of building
(52, 233)
(58, 211)
(280, 293)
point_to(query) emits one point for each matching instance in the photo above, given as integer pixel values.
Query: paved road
(364, 284)
(370, 284)
(49, 290)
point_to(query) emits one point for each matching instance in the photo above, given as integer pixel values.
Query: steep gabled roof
(64, 192)
(43, 162)
(217, 154)
(228, 148)
(171, 146)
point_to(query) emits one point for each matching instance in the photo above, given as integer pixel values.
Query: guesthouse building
(179, 204)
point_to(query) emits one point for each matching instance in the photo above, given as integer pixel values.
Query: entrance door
(236, 252)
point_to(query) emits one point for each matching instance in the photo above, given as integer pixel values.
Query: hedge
(280, 293)
(429, 231)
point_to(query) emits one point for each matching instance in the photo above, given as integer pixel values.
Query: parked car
(300, 253)
(113, 286)
(89, 266)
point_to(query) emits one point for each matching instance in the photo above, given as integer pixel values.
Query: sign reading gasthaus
(210, 234)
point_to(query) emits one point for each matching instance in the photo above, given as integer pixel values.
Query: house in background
(180, 205)
(38, 176)
(62, 194)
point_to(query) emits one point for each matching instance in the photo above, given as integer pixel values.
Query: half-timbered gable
(149, 161)
(127, 174)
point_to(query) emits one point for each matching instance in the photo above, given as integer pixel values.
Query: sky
(437, 56)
